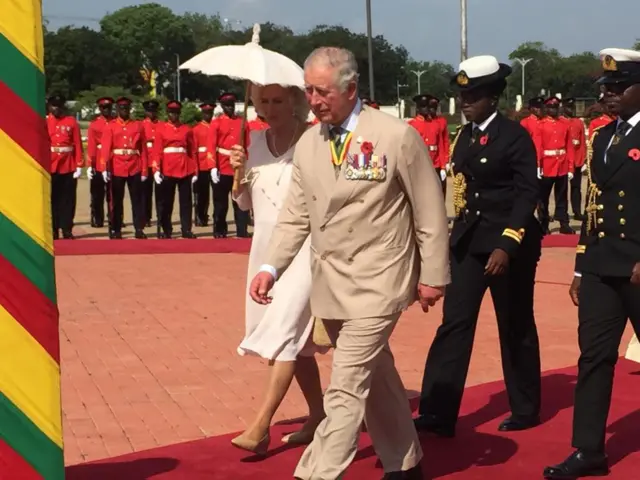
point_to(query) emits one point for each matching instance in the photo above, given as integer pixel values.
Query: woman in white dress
(281, 331)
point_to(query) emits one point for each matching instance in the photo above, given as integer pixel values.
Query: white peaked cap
(621, 54)
(480, 66)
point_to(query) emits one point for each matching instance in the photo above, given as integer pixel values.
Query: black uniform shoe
(413, 474)
(566, 229)
(115, 235)
(56, 234)
(430, 424)
(67, 235)
(188, 235)
(219, 235)
(516, 424)
(197, 222)
(140, 235)
(579, 464)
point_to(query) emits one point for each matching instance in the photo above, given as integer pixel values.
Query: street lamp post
(418, 74)
(178, 93)
(398, 87)
(523, 63)
(372, 93)
(463, 42)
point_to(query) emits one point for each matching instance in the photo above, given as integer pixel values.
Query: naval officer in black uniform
(495, 244)
(606, 285)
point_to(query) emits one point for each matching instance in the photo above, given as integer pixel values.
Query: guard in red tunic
(602, 120)
(530, 122)
(203, 187)
(434, 132)
(66, 165)
(94, 145)
(150, 124)
(174, 166)
(224, 134)
(556, 154)
(258, 123)
(124, 163)
(578, 139)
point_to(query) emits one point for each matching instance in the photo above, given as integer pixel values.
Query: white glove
(215, 176)
(539, 173)
(106, 177)
(443, 175)
(447, 167)
(570, 176)
(157, 177)
(143, 178)
(194, 179)
(90, 172)
(77, 173)
(584, 168)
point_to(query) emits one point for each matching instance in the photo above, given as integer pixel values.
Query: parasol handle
(243, 134)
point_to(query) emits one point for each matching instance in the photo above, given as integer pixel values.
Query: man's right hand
(574, 290)
(260, 287)
(429, 296)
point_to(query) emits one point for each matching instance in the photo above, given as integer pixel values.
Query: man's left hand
(635, 274)
(429, 296)
(498, 263)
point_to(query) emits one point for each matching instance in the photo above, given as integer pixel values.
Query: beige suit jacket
(371, 241)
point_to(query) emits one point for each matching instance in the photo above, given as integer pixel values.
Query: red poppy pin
(367, 148)
(634, 154)
(484, 140)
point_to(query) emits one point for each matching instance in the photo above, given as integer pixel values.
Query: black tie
(621, 131)
(475, 134)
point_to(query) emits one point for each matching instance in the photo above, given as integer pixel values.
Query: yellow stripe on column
(17, 24)
(26, 193)
(29, 377)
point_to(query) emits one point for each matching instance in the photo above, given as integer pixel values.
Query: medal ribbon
(339, 153)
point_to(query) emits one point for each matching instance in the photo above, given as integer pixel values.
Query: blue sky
(429, 29)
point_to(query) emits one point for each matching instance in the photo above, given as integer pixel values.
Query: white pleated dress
(280, 330)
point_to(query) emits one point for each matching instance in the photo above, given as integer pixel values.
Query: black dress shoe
(413, 474)
(430, 424)
(188, 235)
(565, 229)
(579, 464)
(56, 234)
(219, 235)
(140, 235)
(115, 235)
(516, 424)
(67, 235)
(198, 222)
(244, 235)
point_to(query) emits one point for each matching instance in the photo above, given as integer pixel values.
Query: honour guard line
(30, 414)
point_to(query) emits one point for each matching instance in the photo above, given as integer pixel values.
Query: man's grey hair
(340, 59)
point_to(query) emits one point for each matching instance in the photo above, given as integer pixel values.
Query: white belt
(125, 151)
(202, 149)
(551, 153)
(175, 150)
(62, 149)
(99, 146)
(223, 151)
(433, 148)
(576, 142)
(149, 144)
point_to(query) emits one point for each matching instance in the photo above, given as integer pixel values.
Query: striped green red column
(30, 411)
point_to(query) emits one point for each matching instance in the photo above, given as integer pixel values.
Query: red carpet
(202, 245)
(478, 452)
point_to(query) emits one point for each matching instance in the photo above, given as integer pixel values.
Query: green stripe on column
(31, 259)
(29, 442)
(22, 76)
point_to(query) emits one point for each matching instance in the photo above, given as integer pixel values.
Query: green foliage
(637, 45)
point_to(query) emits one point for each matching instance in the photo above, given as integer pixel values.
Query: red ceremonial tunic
(555, 147)
(66, 144)
(174, 154)
(150, 136)
(598, 122)
(223, 134)
(576, 128)
(200, 136)
(124, 152)
(257, 124)
(435, 137)
(94, 140)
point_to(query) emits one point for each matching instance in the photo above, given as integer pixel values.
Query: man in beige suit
(363, 186)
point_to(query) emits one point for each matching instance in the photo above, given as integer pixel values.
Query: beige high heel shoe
(259, 447)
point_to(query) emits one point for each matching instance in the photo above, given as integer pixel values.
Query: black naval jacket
(502, 188)
(610, 237)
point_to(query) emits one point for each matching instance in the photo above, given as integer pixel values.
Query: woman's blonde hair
(299, 101)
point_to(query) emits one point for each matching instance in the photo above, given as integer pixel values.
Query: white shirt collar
(633, 121)
(483, 126)
(349, 125)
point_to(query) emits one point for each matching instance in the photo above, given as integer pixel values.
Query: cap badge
(609, 64)
(462, 79)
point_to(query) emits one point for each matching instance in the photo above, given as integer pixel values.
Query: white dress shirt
(483, 126)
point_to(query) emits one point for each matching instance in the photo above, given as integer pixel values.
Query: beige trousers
(364, 385)
(633, 350)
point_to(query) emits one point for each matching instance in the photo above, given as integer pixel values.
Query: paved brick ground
(148, 348)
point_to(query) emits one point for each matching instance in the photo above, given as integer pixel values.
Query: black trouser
(442, 182)
(221, 192)
(202, 193)
(98, 189)
(63, 201)
(147, 188)
(136, 195)
(448, 360)
(605, 306)
(576, 191)
(167, 193)
(560, 186)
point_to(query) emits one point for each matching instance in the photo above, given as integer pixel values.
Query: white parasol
(251, 63)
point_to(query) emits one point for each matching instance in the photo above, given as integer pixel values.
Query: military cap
(425, 99)
(480, 71)
(174, 105)
(536, 102)
(207, 106)
(620, 66)
(124, 102)
(105, 101)
(150, 105)
(228, 97)
(569, 102)
(57, 100)
(552, 101)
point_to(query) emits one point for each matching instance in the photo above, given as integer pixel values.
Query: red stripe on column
(14, 466)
